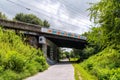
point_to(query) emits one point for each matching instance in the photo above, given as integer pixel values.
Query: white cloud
(48, 6)
(57, 13)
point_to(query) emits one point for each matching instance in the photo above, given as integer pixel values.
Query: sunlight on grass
(81, 74)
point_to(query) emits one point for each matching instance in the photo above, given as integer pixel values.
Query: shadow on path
(64, 62)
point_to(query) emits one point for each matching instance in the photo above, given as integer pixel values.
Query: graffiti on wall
(62, 33)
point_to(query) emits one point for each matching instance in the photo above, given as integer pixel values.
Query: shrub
(14, 61)
(104, 65)
(18, 59)
(32, 68)
(9, 75)
(1, 69)
(41, 60)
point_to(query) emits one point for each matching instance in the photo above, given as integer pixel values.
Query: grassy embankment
(105, 65)
(80, 73)
(17, 59)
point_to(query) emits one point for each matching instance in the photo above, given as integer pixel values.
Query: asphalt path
(60, 71)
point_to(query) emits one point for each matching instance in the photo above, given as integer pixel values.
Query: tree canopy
(30, 18)
(2, 16)
(46, 24)
(106, 32)
(106, 14)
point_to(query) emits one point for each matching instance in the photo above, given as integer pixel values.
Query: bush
(17, 59)
(1, 69)
(14, 61)
(9, 75)
(32, 67)
(104, 65)
(41, 60)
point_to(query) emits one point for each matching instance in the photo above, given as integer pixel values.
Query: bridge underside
(60, 41)
(67, 42)
(34, 31)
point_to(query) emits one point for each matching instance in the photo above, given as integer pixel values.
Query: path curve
(61, 71)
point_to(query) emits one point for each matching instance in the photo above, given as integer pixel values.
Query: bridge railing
(38, 29)
(62, 33)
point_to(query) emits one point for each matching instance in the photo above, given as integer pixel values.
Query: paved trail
(61, 71)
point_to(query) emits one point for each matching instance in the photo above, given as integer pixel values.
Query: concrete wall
(54, 51)
(49, 49)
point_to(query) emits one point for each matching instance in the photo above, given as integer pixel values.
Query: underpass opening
(65, 44)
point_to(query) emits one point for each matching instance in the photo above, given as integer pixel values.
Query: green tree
(2, 16)
(96, 38)
(62, 53)
(29, 18)
(106, 14)
(46, 24)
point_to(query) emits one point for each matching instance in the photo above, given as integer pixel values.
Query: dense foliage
(105, 64)
(81, 74)
(17, 59)
(88, 51)
(30, 18)
(46, 24)
(106, 15)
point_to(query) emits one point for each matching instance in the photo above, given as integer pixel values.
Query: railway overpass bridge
(47, 39)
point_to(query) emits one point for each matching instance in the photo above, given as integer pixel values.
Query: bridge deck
(57, 37)
(20, 25)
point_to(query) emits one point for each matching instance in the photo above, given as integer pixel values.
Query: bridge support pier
(44, 49)
(49, 49)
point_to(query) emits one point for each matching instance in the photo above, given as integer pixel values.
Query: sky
(67, 15)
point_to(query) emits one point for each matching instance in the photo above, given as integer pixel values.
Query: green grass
(105, 65)
(18, 59)
(79, 73)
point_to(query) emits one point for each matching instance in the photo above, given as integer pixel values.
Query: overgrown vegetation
(104, 65)
(17, 59)
(104, 38)
(81, 74)
(85, 53)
